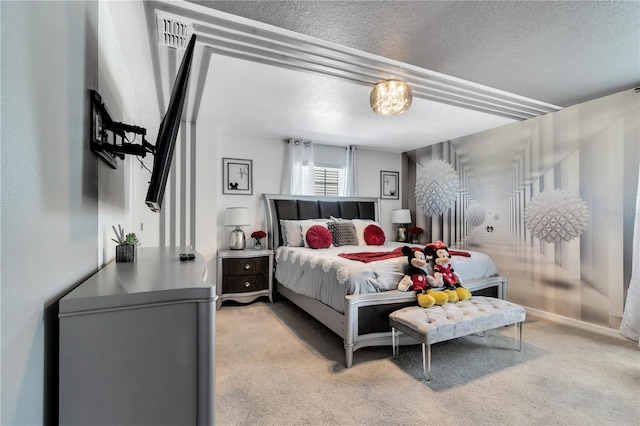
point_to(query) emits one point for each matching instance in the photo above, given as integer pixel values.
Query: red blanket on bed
(372, 256)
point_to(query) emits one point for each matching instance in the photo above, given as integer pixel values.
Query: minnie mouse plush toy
(443, 272)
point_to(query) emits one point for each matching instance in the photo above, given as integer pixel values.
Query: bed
(351, 297)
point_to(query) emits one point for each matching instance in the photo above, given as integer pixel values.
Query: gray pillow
(343, 233)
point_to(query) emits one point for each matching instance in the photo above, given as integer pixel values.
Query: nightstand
(244, 275)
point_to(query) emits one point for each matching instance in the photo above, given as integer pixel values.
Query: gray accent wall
(591, 151)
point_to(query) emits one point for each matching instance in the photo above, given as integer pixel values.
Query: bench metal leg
(426, 361)
(519, 336)
(393, 343)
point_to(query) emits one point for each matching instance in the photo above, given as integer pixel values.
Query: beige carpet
(278, 366)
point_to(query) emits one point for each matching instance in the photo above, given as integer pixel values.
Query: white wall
(267, 155)
(208, 177)
(115, 196)
(57, 199)
(212, 145)
(370, 163)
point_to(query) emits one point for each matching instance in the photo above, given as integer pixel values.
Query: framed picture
(237, 176)
(389, 185)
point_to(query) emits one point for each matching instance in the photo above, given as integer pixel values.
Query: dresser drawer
(245, 283)
(246, 266)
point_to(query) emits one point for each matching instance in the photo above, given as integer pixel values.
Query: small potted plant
(126, 248)
(415, 233)
(257, 236)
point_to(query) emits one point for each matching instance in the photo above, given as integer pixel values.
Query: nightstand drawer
(244, 275)
(246, 266)
(246, 283)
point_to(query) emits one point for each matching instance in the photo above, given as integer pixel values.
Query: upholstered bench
(452, 320)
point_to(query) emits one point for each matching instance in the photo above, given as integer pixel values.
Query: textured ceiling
(562, 53)
(305, 69)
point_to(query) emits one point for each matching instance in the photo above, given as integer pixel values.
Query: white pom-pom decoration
(554, 216)
(475, 215)
(437, 187)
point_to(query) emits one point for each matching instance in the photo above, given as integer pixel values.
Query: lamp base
(237, 239)
(401, 234)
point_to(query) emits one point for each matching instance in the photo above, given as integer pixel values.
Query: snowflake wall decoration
(437, 187)
(475, 214)
(553, 216)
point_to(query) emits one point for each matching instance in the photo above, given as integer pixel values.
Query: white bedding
(323, 275)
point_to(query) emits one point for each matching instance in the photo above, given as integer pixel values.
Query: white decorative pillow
(291, 233)
(359, 225)
(339, 219)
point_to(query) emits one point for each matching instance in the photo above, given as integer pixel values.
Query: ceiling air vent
(173, 33)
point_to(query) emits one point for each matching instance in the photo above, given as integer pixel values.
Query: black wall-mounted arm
(108, 137)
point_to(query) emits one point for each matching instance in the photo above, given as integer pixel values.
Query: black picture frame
(237, 176)
(389, 185)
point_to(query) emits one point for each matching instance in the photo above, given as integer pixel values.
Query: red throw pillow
(319, 237)
(373, 235)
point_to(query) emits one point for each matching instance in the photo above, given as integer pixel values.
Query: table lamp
(237, 216)
(401, 217)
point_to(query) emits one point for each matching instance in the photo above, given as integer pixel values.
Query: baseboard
(576, 323)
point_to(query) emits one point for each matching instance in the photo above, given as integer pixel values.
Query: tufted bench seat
(452, 320)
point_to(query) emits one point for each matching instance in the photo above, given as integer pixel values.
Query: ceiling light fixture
(390, 97)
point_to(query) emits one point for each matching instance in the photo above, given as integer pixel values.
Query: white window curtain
(351, 181)
(630, 326)
(298, 168)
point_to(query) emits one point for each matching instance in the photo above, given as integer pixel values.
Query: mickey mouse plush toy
(418, 278)
(443, 272)
(416, 272)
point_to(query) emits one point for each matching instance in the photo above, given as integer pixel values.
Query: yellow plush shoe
(440, 297)
(425, 300)
(452, 295)
(463, 293)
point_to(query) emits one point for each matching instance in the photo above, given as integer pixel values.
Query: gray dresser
(137, 343)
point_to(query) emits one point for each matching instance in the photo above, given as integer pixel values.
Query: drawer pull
(247, 266)
(247, 284)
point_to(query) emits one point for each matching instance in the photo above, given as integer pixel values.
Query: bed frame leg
(348, 355)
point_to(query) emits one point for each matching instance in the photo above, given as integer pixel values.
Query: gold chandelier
(390, 97)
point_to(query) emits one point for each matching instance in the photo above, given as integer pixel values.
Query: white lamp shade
(401, 216)
(237, 216)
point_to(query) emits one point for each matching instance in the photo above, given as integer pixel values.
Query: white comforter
(325, 276)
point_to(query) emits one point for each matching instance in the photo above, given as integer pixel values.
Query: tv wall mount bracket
(108, 137)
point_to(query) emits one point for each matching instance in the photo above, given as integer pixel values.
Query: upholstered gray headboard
(299, 207)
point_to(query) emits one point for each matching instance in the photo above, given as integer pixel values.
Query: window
(329, 181)
(330, 170)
